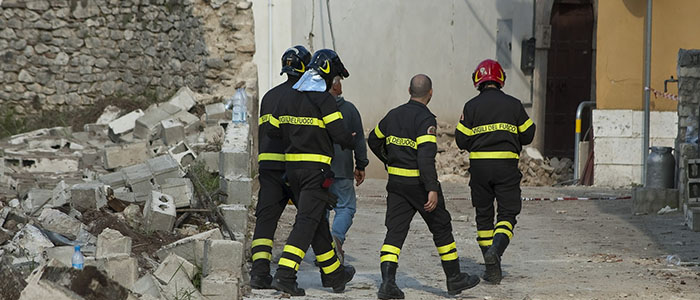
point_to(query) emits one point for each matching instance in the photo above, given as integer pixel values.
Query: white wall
(281, 40)
(618, 140)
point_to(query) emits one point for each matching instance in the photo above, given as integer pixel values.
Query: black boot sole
(471, 285)
(387, 296)
(493, 273)
(341, 287)
(285, 289)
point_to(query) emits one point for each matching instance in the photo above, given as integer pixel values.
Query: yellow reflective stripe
(302, 121)
(294, 250)
(484, 233)
(271, 156)
(403, 172)
(274, 122)
(506, 223)
(378, 132)
(493, 154)
(495, 127)
(325, 256)
(389, 257)
(331, 268)
(261, 242)
(485, 243)
(446, 248)
(529, 123)
(464, 129)
(449, 256)
(288, 263)
(332, 117)
(403, 142)
(264, 119)
(391, 249)
(426, 138)
(262, 255)
(308, 157)
(504, 231)
(578, 126)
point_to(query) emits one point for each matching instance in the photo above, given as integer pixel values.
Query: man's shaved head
(420, 86)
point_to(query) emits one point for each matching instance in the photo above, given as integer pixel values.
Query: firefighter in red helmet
(493, 128)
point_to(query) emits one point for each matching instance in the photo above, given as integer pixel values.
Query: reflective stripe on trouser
(310, 227)
(273, 196)
(403, 201)
(448, 252)
(497, 180)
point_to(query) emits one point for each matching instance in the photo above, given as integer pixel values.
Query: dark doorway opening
(569, 78)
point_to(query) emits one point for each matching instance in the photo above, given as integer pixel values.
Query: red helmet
(489, 70)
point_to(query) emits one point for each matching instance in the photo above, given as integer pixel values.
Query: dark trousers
(311, 227)
(403, 201)
(273, 197)
(495, 179)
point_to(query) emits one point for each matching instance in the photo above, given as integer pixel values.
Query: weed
(209, 182)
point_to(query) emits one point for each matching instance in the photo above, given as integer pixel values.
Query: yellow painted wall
(620, 51)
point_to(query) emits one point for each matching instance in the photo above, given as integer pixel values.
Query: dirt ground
(577, 249)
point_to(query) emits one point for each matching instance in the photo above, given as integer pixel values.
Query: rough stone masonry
(69, 53)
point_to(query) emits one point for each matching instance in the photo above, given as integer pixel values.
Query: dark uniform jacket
(342, 164)
(405, 141)
(309, 123)
(494, 126)
(271, 150)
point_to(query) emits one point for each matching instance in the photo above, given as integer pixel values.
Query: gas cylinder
(661, 167)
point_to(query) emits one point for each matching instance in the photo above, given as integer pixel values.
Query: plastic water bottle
(673, 260)
(78, 259)
(239, 106)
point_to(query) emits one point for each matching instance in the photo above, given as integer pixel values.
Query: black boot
(285, 281)
(338, 279)
(456, 280)
(492, 258)
(260, 275)
(389, 289)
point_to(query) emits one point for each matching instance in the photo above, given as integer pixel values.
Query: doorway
(569, 74)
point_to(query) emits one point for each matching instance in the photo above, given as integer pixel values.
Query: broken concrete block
(147, 125)
(238, 191)
(64, 283)
(171, 132)
(123, 155)
(215, 112)
(210, 161)
(124, 194)
(223, 258)
(60, 195)
(183, 154)
(180, 189)
(184, 99)
(235, 216)
(124, 124)
(159, 212)
(216, 288)
(31, 241)
(212, 135)
(164, 167)
(139, 179)
(36, 199)
(114, 180)
(176, 274)
(122, 269)
(90, 195)
(692, 218)
(58, 222)
(191, 122)
(63, 254)
(190, 248)
(235, 158)
(133, 216)
(109, 114)
(56, 162)
(147, 285)
(112, 243)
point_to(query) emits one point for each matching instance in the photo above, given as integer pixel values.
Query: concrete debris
(11, 282)
(215, 112)
(159, 212)
(30, 242)
(123, 155)
(122, 269)
(184, 99)
(223, 258)
(190, 248)
(109, 114)
(147, 285)
(234, 160)
(68, 283)
(165, 167)
(452, 163)
(171, 132)
(36, 199)
(210, 161)
(180, 189)
(235, 216)
(147, 125)
(176, 274)
(60, 195)
(139, 179)
(62, 254)
(133, 216)
(112, 243)
(90, 195)
(124, 124)
(58, 222)
(183, 154)
(215, 288)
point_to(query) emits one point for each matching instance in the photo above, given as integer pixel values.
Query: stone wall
(688, 114)
(66, 53)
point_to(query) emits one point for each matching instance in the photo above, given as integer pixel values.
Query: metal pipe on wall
(269, 43)
(647, 92)
(577, 135)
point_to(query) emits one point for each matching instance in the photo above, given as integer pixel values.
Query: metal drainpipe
(647, 93)
(577, 135)
(269, 43)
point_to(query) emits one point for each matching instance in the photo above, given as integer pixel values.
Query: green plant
(209, 182)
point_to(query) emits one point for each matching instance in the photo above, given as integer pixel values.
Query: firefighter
(405, 141)
(308, 124)
(493, 128)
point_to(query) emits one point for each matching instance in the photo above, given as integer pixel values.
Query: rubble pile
(453, 164)
(129, 190)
